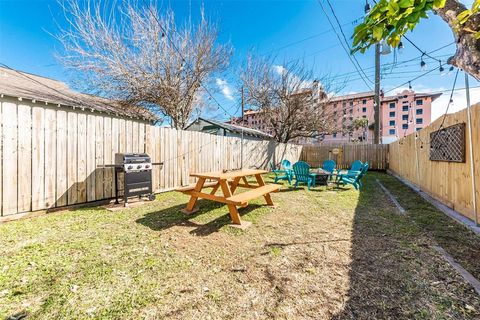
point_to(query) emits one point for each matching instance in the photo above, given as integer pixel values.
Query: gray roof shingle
(20, 84)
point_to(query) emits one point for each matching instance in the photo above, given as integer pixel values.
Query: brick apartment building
(400, 115)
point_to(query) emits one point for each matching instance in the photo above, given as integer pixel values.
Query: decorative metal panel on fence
(53, 156)
(345, 154)
(449, 182)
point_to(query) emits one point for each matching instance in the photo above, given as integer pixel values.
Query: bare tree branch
(292, 103)
(134, 54)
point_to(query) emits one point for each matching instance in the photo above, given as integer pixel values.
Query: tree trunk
(467, 56)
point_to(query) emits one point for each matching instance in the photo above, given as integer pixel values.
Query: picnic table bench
(228, 182)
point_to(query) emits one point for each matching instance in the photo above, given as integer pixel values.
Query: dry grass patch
(321, 254)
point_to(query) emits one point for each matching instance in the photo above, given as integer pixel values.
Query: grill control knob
(139, 166)
(130, 167)
(147, 166)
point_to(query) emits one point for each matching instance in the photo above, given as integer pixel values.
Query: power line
(345, 37)
(342, 44)
(308, 38)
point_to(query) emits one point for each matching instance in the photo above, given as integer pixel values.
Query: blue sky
(286, 29)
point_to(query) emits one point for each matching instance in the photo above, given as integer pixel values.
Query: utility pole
(243, 123)
(376, 107)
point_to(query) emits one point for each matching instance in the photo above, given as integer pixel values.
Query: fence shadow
(388, 278)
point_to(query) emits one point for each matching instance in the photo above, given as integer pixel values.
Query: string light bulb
(423, 64)
(441, 69)
(451, 103)
(450, 70)
(400, 47)
(368, 8)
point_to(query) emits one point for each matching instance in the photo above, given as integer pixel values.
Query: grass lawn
(338, 254)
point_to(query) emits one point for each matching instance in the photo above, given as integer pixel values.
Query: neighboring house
(23, 88)
(226, 129)
(400, 115)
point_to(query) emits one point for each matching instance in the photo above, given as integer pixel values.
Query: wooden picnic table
(228, 182)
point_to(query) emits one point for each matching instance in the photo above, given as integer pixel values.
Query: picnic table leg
(214, 190)
(234, 215)
(261, 183)
(193, 200)
(234, 185)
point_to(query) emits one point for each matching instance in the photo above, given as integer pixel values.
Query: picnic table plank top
(220, 175)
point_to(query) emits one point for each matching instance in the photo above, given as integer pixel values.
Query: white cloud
(225, 88)
(279, 69)
(439, 106)
(296, 82)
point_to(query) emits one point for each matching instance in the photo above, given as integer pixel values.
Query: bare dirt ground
(321, 254)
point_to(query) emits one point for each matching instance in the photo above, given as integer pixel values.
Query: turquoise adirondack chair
(303, 175)
(285, 172)
(329, 166)
(354, 180)
(357, 165)
(355, 168)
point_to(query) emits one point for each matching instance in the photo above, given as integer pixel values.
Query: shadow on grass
(172, 216)
(394, 273)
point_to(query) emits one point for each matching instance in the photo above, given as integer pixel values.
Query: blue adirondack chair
(285, 172)
(355, 168)
(329, 166)
(354, 180)
(303, 175)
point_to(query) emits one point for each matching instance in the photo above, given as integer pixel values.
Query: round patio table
(321, 176)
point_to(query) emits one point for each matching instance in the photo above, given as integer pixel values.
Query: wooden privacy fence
(376, 155)
(449, 182)
(53, 157)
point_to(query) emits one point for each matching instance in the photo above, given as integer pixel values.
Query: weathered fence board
(376, 155)
(55, 156)
(449, 182)
(9, 158)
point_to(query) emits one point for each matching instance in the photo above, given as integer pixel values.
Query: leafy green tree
(391, 19)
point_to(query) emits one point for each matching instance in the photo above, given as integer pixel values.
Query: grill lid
(122, 158)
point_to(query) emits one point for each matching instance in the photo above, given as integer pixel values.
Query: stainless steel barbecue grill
(136, 169)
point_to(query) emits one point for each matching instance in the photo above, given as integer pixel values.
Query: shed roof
(24, 85)
(237, 129)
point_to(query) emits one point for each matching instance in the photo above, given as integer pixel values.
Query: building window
(405, 108)
(419, 102)
(405, 117)
(392, 105)
(392, 122)
(419, 111)
(364, 109)
(418, 129)
(391, 131)
(364, 117)
(364, 101)
(351, 103)
(392, 114)
(334, 134)
(405, 126)
(419, 121)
